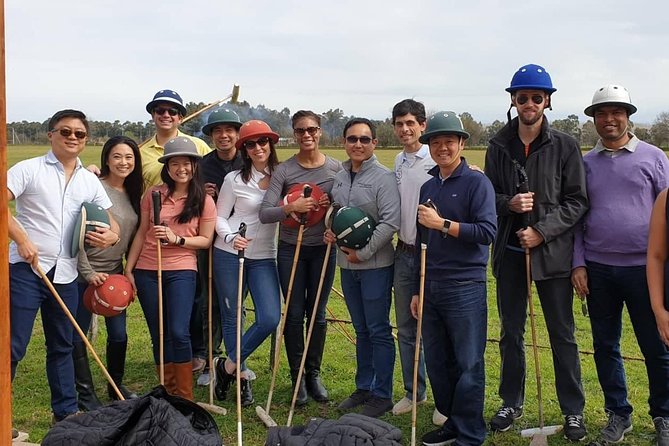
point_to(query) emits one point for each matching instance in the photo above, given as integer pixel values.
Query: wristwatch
(444, 230)
(182, 241)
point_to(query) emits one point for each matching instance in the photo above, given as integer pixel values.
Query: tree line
(333, 120)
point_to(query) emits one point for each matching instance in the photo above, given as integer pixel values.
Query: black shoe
(504, 418)
(15, 433)
(301, 391)
(574, 428)
(116, 366)
(246, 392)
(357, 398)
(87, 400)
(616, 427)
(375, 406)
(440, 437)
(222, 379)
(315, 387)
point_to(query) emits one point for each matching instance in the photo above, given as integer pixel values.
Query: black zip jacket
(557, 178)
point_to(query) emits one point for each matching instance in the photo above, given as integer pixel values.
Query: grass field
(31, 396)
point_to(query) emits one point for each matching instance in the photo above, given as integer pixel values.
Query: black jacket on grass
(349, 430)
(156, 418)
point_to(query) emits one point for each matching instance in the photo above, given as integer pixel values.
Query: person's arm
(574, 198)
(138, 241)
(224, 206)
(655, 263)
(25, 247)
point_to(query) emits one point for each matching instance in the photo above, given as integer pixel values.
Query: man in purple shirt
(624, 176)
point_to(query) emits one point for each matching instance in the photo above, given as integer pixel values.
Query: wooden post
(5, 355)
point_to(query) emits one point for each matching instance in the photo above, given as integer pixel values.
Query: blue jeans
(454, 335)
(406, 324)
(28, 294)
(178, 296)
(367, 294)
(115, 325)
(611, 287)
(262, 279)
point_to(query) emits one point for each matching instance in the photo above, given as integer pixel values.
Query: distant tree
(333, 125)
(589, 134)
(570, 125)
(643, 133)
(660, 130)
(385, 133)
(492, 130)
(474, 128)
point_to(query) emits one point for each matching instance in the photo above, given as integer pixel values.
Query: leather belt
(411, 249)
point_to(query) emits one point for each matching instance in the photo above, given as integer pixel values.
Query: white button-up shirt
(48, 208)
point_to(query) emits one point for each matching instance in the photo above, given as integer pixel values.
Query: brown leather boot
(170, 378)
(183, 373)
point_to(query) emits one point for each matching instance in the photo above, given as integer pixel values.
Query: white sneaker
(203, 379)
(438, 419)
(405, 405)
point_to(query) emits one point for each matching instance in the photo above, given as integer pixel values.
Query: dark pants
(611, 287)
(556, 299)
(199, 321)
(368, 296)
(454, 337)
(28, 294)
(178, 295)
(116, 331)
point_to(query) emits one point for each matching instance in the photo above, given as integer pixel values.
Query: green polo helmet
(221, 115)
(353, 227)
(443, 123)
(92, 216)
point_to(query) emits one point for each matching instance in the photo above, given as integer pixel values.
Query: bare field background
(31, 410)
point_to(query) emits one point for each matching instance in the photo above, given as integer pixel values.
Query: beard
(530, 119)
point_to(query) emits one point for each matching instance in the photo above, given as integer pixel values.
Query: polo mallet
(539, 434)
(419, 331)
(263, 414)
(68, 313)
(211, 407)
(155, 196)
(328, 224)
(240, 294)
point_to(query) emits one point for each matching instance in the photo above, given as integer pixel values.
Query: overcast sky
(108, 58)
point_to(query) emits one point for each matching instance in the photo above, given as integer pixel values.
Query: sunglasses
(523, 98)
(310, 130)
(364, 140)
(66, 133)
(161, 110)
(250, 145)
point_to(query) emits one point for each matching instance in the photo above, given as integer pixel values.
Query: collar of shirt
(630, 146)
(51, 159)
(421, 153)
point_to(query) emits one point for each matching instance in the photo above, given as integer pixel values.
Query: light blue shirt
(48, 208)
(411, 172)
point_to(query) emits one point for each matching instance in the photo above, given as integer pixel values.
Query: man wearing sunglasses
(49, 192)
(167, 111)
(536, 217)
(610, 258)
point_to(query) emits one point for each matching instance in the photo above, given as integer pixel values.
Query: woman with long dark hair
(243, 191)
(187, 220)
(121, 177)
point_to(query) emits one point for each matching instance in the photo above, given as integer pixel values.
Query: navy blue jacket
(467, 197)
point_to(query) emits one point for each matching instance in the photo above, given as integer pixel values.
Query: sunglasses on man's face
(364, 140)
(250, 145)
(161, 110)
(301, 131)
(523, 98)
(66, 133)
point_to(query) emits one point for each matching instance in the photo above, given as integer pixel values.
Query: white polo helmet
(611, 95)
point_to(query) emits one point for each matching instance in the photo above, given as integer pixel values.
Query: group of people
(579, 222)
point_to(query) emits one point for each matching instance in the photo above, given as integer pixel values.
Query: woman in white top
(238, 202)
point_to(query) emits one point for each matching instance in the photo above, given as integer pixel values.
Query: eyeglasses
(250, 145)
(66, 133)
(523, 98)
(310, 130)
(161, 110)
(364, 140)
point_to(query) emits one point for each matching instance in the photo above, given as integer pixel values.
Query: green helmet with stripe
(221, 115)
(443, 123)
(92, 216)
(353, 227)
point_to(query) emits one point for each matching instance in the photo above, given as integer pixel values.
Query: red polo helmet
(110, 298)
(311, 217)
